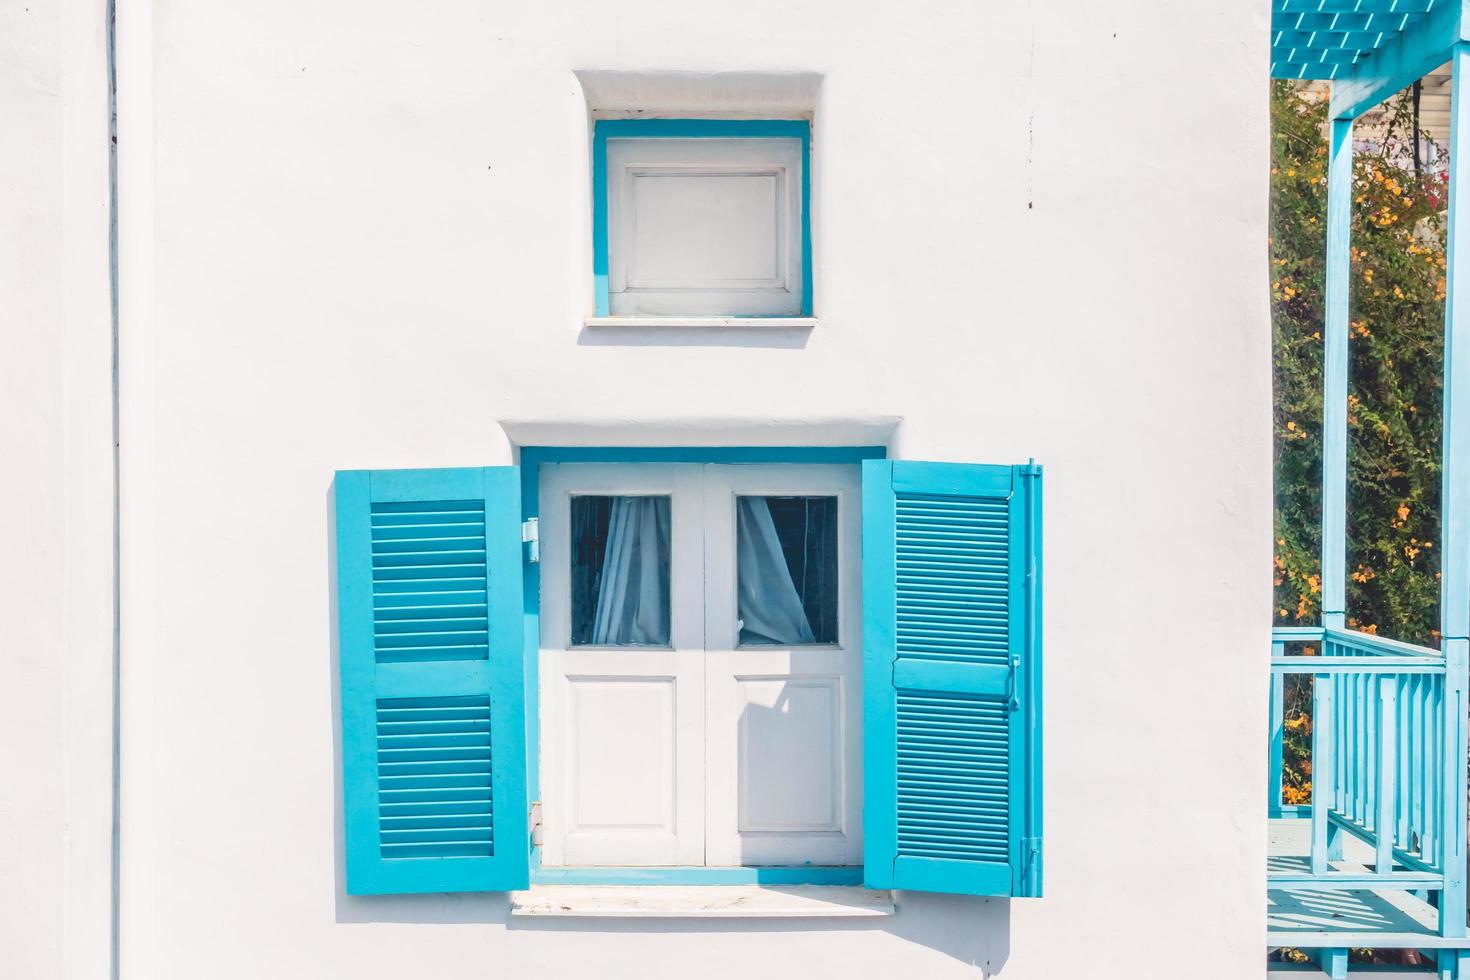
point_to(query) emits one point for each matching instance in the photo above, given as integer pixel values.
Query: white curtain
(769, 606)
(632, 601)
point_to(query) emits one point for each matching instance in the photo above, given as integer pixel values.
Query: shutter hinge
(535, 822)
(1030, 867)
(531, 534)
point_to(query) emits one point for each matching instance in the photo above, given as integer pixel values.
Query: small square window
(786, 570)
(702, 217)
(620, 571)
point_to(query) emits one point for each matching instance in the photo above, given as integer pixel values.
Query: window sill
(757, 322)
(702, 901)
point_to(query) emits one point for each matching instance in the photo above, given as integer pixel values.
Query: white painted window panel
(704, 227)
(762, 791)
(622, 770)
(696, 230)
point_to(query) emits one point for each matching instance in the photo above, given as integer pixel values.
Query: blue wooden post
(1334, 962)
(1455, 507)
(1335, 374)
(1454, 964)
(1278, 731)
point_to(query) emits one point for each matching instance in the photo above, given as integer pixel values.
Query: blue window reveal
(437, 614)
(669, 129)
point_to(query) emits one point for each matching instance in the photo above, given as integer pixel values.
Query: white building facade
(368, 238)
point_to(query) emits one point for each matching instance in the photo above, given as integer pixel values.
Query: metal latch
(1030, 867)
(531, 534)
(535, 821)
(1011, 701)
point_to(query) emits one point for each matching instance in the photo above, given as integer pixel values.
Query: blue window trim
(605, 129)
(531, 458)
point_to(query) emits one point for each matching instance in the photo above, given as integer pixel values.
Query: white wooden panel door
(622, 727)
(782, 726)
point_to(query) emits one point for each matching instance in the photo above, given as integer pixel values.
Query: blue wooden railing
(1384, 765)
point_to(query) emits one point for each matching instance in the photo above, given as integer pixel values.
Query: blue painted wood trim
(1018, 604)
(699, 876)
(1033, 853)
(1335, 374)
(880, 726)
(605, 129)
(357, 669)
(509, 868)
(1399, 62)
(532, 456)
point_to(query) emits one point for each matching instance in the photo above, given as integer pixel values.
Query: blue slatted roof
(1325, 38)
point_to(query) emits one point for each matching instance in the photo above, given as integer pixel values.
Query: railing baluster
(1416, 763)
(1346, 744)
(1387, 755)
(1322, 765)
(1340, 761)
(1401, 763)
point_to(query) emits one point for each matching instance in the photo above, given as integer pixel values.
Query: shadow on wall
(753, 335)
(975, 931)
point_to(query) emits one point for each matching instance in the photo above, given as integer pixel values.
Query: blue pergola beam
(1330, 39)
(1423, 45)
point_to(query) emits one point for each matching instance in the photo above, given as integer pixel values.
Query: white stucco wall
(55, 494)
(356, 235)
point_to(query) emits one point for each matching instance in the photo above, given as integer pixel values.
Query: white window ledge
(753, 322)
(703, 901)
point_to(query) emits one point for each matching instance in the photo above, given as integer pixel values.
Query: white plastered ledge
(703, 901)
(750, 322)
(873, 430)
(615, 93)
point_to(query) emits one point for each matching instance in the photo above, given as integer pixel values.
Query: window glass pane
(620, 571)
(786, 562)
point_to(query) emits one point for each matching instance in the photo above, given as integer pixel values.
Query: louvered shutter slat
(429, 610)
(951, 668)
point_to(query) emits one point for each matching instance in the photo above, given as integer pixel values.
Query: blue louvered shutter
(951, 677)
(433, 716)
